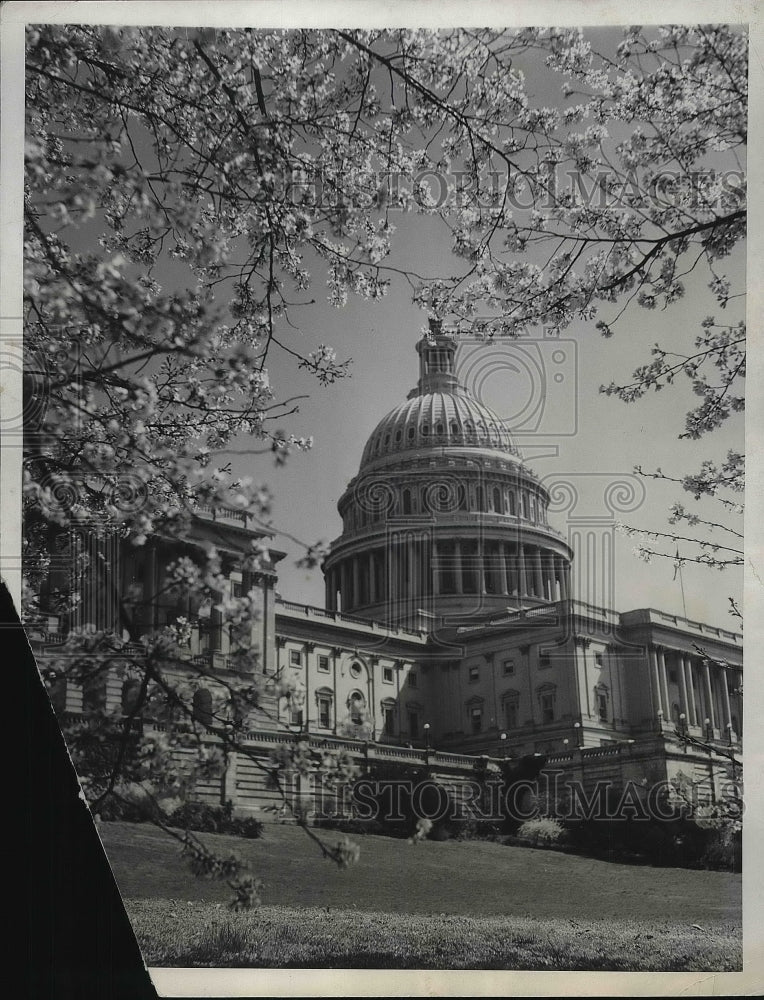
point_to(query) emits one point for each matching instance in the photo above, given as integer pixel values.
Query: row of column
(486, 499)
(411, 566)
(703, 689)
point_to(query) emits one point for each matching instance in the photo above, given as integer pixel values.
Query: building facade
(450, 633)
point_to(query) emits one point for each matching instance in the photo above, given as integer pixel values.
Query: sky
(569, 431)
(566, 429)
(583, 436)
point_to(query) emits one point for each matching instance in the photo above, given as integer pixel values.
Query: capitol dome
(443, 518)
(437, 419)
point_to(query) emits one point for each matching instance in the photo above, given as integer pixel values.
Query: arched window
(356, 706)
(601, 698)
(406, 501)
(479, 498)
(94, 694)
(388, 717)
(57, 694)
(547, 701)
(475, 715)
(202, 706)
(131, 690)
(510, 701)
(511, 503)
(497, 504)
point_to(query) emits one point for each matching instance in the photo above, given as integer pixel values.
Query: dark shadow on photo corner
(77, 938)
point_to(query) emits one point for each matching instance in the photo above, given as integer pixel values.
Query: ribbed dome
(438, 419)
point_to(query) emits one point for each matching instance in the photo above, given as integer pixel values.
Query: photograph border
(284, 14)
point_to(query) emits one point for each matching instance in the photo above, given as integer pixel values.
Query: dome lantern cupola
(436, 361)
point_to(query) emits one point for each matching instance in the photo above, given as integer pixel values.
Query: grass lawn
(458, 905)
(187, 935)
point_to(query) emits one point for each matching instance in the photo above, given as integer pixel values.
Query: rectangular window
(598, 659)
(295, 717)
(474, 674)
(323, 664)
(672, 676)
(544, 660)
(295, 658)
(237, 589)
(508, 667)
(476, 719)
(602, 705)
(412, 679)
(387, 675)
(325, 712)
(413, 724)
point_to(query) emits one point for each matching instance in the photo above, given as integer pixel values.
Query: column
(483, 567)
(710, 707)
(411, 574)
(551, 586)
(537, 572)
(564, 588)
(510, 569)
(435, 569)
(308, 648)
(523, 581)
(664, 683)
(685, 707)
(372, 575)
(336, 653)
(655, 682)
(726, 699)
(458, 566)
(356, 582)
(693, 715)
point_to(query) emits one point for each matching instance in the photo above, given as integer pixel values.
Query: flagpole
(681, 584)
(678, 570)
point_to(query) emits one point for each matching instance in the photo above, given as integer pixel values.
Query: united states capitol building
(452, 629)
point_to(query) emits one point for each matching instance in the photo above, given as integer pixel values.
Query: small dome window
(439, 429)
(398, 435)
(410, 433)
(387, 440)
(425, 429)
(454, 427)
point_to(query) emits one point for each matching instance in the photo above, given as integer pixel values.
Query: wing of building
(450, 631)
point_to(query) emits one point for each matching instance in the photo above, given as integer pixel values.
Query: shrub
(542, 831)
(349, 824)
(723, 851)
(113, 809)
(204, 818)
